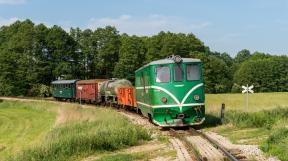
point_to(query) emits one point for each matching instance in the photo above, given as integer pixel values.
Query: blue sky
(223, 25)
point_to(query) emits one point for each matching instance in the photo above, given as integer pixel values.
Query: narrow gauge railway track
(203, 148)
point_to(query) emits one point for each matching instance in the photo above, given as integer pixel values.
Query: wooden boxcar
(126, 97)
(64, 89)
(88, 90)
(171, 94)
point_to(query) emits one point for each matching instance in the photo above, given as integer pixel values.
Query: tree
(18, 58)
(108, 44)
(131, 56)
(266, 74)
(61, 51)
(166, 43)
(87, 49)
(242, 56)
(216, 74)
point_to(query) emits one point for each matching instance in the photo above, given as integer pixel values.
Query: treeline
(31, 56)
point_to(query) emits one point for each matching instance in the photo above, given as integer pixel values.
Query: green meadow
(263, 124)
(59, 131)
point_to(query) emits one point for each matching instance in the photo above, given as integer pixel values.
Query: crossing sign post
(247, 89)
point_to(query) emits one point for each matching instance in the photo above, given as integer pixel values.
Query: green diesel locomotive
(170, 92)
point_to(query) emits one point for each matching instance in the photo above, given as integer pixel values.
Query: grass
(261, 119)
(161, 153)
(75, 132)
(22, 126)
(257, 101)
(277, 144)
(264, 124)
(121, 157)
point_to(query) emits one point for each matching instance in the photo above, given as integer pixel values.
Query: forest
(31, 56)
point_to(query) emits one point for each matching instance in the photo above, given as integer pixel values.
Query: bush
(39, 90)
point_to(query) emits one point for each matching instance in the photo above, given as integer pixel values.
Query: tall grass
(75, 140)
(261, 119)
(277, 144)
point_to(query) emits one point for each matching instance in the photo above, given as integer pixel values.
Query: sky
(223, 25)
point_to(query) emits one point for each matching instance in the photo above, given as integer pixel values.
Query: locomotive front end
(175, 93)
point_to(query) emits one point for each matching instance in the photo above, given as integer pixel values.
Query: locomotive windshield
(162, 74)
(178, 73)
(193, 72)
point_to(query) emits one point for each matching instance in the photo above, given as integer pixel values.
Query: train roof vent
(175, 58)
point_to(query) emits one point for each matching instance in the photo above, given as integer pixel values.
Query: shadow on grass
(211, 121)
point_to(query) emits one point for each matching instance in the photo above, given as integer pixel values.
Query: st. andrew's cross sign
(247, 90)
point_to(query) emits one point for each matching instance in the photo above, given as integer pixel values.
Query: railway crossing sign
(247, 89)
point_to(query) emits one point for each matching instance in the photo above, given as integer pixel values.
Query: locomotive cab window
(178, 73)
(193, 72)
(162, 74)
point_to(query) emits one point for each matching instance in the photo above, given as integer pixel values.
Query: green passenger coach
(170, 92)
(64, 89)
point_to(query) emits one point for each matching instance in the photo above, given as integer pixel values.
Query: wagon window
(193, 72)
(178, 73)
(162, 74)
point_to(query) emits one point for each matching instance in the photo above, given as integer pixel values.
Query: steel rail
(226, 152)
(174, 132)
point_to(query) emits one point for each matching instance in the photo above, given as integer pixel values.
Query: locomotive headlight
(164, 99)
(196, 97)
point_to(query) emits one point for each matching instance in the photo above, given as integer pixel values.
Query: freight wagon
(88, 90)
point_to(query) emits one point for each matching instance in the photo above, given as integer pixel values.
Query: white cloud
(12, 2)
(149, 25)
(6, 22)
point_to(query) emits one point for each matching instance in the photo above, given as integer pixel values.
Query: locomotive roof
(169, 61)
(64, 81)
